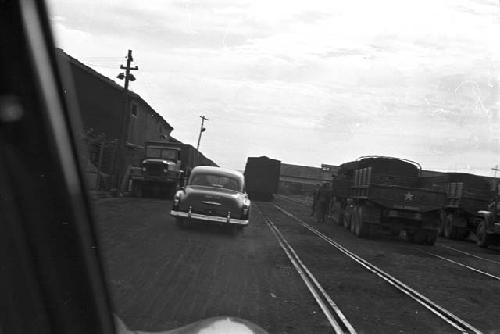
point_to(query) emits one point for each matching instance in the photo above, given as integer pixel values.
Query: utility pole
(127, 76)
(202, 129)
(125, 119)
(496, 169)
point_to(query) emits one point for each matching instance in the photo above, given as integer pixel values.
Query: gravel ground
(469, 295)
(162, 277)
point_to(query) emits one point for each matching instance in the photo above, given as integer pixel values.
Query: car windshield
(216, 181)
(161, 153)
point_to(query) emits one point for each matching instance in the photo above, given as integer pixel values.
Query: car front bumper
(215, 219)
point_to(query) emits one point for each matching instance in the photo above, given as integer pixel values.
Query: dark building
(102, 103)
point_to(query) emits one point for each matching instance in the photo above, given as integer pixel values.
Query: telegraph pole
(127, 76)
(125, 119)
(202, 129)
(496, 169)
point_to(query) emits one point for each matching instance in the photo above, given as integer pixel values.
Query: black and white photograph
(249, 166)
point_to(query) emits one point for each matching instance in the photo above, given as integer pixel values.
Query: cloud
(307, 81)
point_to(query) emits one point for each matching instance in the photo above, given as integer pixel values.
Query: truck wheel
(338, 214)
(461, 233)
(361, 227)
(482, 236)
(431, 237)
(420, 237)
(339, 217)
(450, 231)
(136, 189)
(442, 222)
(354, 220)
(347, 219)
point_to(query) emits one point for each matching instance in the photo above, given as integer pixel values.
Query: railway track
(442, 257)
(445, 315)
(336, 318)
(469, 254)
(476, 270)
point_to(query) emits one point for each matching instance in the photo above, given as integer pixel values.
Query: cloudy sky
(309, 81)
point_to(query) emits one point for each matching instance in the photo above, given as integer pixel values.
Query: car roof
(217, 170)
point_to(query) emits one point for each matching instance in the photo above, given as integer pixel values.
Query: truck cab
(160, 171)
(161, 162)
(488, 224)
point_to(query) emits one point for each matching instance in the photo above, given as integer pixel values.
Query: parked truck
(159, 172)
(383, 192)
(466, 195)
(487, 222)
(262, 176)
(163, 168)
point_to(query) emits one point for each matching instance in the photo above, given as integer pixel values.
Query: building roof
(111, 83)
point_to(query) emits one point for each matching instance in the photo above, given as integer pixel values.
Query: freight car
(262, 175)
(466, 195)
(384, 192)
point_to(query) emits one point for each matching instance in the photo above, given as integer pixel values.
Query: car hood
(215, 325)
(202, 198)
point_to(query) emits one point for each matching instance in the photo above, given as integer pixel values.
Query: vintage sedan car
(214, 195)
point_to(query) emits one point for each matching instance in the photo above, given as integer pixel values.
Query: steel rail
(479, 271)
(454, 321)
(469, 254)
(443, 257)
(335, 317)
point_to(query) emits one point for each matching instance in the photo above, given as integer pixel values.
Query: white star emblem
(409, 196)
